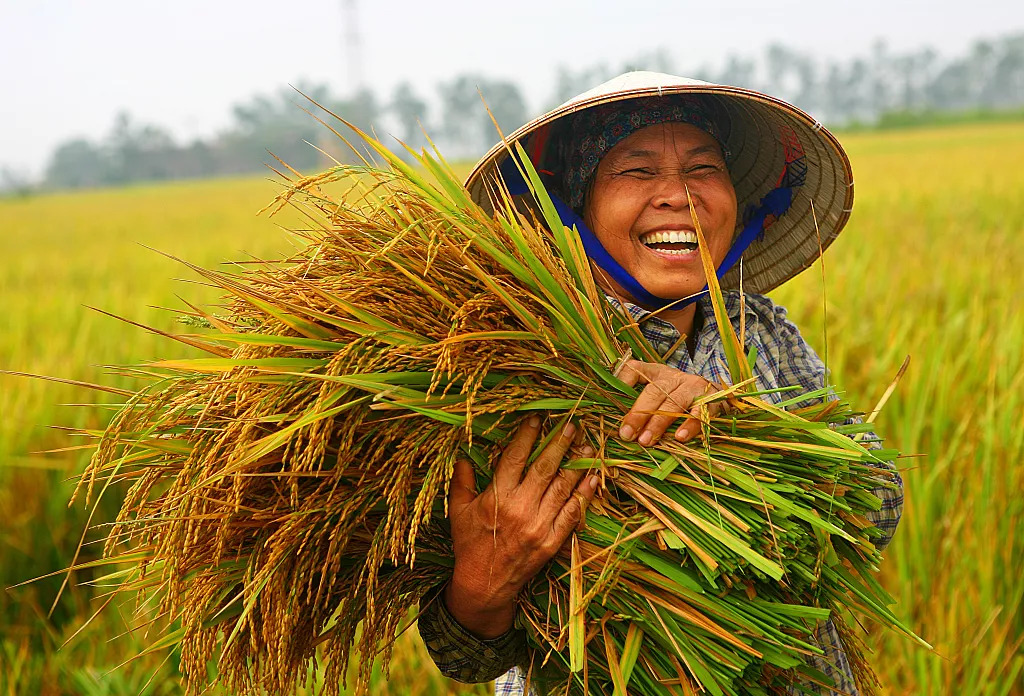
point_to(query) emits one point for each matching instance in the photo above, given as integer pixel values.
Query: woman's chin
(673, 283)
(673, 291)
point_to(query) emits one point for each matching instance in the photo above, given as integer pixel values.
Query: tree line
(879, 88)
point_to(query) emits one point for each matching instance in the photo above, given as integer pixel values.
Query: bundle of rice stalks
(287, 498)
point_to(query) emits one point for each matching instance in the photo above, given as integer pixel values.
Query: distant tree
(411, 111)
(467, 128)
(569, 83)
(460, 114)
(951, 88)
(361, 109)
(77, 163)
(657, 60)
(138, 152)
(831, 94)
(508, 107)
(778, 63)
(280, 124)
(1004, 84)
(856, 100)
(880, 79)
(981, 65)
(808, 93)
(288, 105)
(912, 73)
(738, 71)
(791, 75)
(15, 182)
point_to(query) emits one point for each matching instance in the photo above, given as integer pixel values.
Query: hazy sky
(67, 67)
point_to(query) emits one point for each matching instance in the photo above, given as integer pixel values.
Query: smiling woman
(638, 166)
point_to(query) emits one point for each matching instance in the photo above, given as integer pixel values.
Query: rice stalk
(287, 492)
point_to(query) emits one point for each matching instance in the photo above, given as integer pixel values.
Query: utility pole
(353, 46)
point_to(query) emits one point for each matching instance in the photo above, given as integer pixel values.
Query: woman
(624, 161)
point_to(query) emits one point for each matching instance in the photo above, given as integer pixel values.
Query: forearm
(460, 654)
(890, 492)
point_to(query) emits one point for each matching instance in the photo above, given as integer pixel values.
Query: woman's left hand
(669, 395)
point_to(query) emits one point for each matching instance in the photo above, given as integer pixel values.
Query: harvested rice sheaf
(287, 499)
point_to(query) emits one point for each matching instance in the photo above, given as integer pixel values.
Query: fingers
(547, 464)
(572, 512)
(669, 394)
(650, 400)
(462, 491)
(671, 409)
(632, 372)
(688, 429)
(509, 471)
(561, 487)
(691, 426)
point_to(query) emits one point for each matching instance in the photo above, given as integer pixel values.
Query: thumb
(462, 491)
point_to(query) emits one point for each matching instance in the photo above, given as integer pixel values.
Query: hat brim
(755, 129)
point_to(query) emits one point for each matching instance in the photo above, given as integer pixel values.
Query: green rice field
(931, 266)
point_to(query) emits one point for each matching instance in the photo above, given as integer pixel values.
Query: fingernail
(534, 422)
(626, 432)
(593, 481)
(568, 430)
(646, 437)
(682, 434)
(587, 451)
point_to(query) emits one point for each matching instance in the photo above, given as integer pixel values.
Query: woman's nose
(670, 191)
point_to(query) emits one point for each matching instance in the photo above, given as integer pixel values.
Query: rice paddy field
(930, 266)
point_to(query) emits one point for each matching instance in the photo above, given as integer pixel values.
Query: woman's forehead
(665, 139)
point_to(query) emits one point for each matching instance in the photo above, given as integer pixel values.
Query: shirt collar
(733, 304)
(663, 335)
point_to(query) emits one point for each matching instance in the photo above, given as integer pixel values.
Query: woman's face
(637, 206)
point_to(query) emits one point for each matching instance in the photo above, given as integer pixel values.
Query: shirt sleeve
(800, 366)
(461, 655)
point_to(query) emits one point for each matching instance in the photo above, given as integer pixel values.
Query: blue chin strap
(775, 203)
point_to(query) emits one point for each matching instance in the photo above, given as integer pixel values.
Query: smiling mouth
(670, 241)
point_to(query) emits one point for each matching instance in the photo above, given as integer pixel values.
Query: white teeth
(666, 236)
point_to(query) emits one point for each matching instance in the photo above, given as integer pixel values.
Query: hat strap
(773, 205)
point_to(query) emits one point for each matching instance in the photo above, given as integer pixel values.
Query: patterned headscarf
(595, 131)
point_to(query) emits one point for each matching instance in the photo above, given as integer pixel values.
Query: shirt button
(489, 654)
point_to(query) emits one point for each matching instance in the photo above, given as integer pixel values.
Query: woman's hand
(669, 394)
(504, 535)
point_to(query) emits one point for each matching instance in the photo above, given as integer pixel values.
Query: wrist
(485, 613)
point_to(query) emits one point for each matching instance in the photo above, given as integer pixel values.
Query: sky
(67, 68)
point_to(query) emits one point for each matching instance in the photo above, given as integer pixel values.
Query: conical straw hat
(759, 132)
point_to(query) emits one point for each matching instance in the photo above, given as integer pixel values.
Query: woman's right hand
(504, 535)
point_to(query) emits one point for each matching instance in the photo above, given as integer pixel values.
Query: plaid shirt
(783, 359)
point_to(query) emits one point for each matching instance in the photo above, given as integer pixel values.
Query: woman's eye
(639, 171)
(703, 167)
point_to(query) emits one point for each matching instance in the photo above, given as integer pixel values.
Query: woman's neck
(682, 319)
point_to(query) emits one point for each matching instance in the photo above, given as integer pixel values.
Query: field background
(931, 265)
